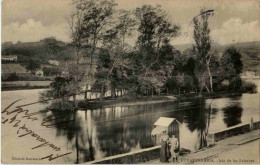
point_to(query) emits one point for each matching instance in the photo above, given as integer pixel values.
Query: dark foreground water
(94, 134)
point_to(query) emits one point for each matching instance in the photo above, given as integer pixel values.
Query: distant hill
(47, 48)
(250, 52)
(43, 50)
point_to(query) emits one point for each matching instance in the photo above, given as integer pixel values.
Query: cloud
(234, 30)
(34, 31)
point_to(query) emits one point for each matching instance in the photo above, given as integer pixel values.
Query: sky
(233, 20)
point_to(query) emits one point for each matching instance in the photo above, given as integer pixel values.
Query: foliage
(202, 48)
(231, 67)
(12, 77)
(58, 88)
(231, 62)
(248, 87)
(61, 90)
(51, 71)
(32, 65)
(44, 50)
(62, 105)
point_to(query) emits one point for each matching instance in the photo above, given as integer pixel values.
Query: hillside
(45, 49)
(250, 52)
(50, 48)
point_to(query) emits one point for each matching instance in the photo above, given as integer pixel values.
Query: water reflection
(94, 134)
(232, 114)
(198, 120)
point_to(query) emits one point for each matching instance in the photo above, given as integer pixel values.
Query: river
(98, 133)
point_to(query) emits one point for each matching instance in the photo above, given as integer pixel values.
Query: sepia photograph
(130, 82)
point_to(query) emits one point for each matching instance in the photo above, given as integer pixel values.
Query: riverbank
(124, 101)
(127, 101)
(214, 95)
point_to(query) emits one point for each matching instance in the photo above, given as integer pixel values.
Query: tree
(202, 50)
(115, 45)
(155, 33)
(60, 93)
(32, 65)
(231, 67)
(94, 19)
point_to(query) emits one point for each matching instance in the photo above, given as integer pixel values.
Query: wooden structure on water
(170, 125)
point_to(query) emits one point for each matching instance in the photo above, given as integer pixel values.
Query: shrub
(63, 105)
(235, 84)
(13, 77)
(248, 87)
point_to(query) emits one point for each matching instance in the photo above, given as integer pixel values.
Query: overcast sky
(233, 21)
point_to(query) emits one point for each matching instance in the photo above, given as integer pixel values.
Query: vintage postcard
(130, 81)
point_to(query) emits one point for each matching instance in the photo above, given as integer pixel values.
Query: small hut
(170, 125)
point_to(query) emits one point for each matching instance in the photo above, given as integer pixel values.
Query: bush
(248, 87)
(63, 105)
(34, 78)
(235, 84)
(12, 77)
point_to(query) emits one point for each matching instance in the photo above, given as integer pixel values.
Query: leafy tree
(113, 64)
(32, 65)
(231, 67)
(52, 47)
(202, 50)
(60, 93)
(155, 33)
(94, 18)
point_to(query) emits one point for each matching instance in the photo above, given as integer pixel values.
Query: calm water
(94, 134)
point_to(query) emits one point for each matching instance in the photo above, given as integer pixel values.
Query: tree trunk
(113, 95)
(86, 92)
(207, 88)
(210, 78)
(152, 91)
(77, 149)
(74, 98)
(101, 93)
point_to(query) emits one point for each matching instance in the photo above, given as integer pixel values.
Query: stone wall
(235, 130)
(134, 157)
(152, 153)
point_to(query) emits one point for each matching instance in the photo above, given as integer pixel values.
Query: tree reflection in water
(75, 133)
(94, 134)
(122, 136)
(198, 119)
(232, 114)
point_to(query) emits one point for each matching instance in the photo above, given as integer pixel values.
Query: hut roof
(165, 121)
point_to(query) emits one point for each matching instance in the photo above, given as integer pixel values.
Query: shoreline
(130, 101)
(127, 101)
(95, 104)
